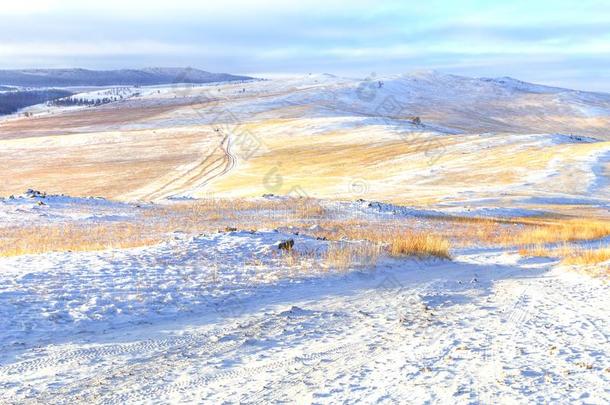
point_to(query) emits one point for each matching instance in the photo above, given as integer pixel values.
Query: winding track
(201, 174)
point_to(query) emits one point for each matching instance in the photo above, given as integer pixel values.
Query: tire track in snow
(192, 384)
(146, 346)
(203, 171)
(375, 346)
(229, 161)
(159, 365)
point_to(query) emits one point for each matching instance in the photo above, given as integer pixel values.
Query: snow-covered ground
(124, 327)
(224, 317)
(220, 318)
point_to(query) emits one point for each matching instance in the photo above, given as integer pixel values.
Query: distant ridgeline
(12, 101)
(35, 86)
(123, 77)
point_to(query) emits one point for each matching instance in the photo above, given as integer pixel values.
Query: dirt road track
(201, 174)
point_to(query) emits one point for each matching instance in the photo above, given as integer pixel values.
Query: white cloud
(107, 48)
(282, 36)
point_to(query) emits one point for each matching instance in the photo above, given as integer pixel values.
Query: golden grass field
(161, 147)
(354, 241)
(144, 152)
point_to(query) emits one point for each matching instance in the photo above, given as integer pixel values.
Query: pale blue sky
(557, 42)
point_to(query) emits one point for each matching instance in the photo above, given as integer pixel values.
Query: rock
(286, 244)
(230, 229)
(31, 193)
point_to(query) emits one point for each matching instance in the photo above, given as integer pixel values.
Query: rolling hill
(322, 134)
(335, 239)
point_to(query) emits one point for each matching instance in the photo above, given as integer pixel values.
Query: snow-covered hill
(174, 288)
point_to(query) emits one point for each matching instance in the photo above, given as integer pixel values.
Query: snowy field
(451, 244)
(218, 317)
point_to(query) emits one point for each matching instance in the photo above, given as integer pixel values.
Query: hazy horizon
(560, 43)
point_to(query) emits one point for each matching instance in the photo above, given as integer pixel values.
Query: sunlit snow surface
(194, 319)
(217, 317)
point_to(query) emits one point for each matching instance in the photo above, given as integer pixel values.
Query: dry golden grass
(596, 260)
(560, 231)
(589, 257)
(308, 208)
(294, 258)
(348, 255)
(537, 251)
(526, 233)
(241, 208)
(402, 237)
(369, 239)
(323, 164)
(420, 245)
(74, 237)
(78, 154)
(108, 164)
(155, 223)
(398, 239)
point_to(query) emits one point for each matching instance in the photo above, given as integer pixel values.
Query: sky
(563, 43)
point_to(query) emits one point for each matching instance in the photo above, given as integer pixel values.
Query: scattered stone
(31, 193)
(41, 203)
(374, 204)
(286, 244)
(321, 238)
(230, 229)
(584, 365)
